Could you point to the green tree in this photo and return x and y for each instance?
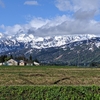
(11, 56)
(3, 58)
(93, 64)
(30, 58)
(36, 60)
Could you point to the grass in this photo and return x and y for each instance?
(49, 93)
(49, 83)
(48, 75)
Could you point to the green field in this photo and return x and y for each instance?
(49, 93)
(49, 83)
(48, 75)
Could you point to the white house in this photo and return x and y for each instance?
(36, 63)
(11, 62)
(21, 63)
(1, 64)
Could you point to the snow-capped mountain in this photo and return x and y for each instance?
(22, 40)
(39, 42)
(52, 49)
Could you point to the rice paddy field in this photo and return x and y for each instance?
(49, 83)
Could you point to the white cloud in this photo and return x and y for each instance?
(81, 9)
(64, 5)
(81, 22)
(74, 5)
(60, 25)
(11, 30)
(84, 15)
(2, 26)
(2, 4)
(38, 22)
(68, 27)
(31, 3)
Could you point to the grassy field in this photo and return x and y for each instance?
(48, 75)
(49, 93)
(49, 83)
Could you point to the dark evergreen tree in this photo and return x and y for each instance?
(30, 58)
(11, 56)
(93, 64)
(3, 58)
(36, 60)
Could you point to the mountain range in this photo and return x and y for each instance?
(64, 49)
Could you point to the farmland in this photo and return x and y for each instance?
(49, 93)
(48, 75)
(49, 83)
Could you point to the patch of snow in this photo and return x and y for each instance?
(1, 35)
(97, 44)
(91, 49)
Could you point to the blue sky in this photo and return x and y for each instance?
(50, 17)
(18, 11)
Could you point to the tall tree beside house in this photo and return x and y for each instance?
(24, 58)
(36, 60)
(7, 58)
(11, 56)
(30, 58)
(20, 58)
(3, 58)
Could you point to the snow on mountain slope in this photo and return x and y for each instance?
(25, 40)
(52, 48)
(47, 42)
(1, 35)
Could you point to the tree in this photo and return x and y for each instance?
(8, 58)
(93, 64)
(36, 60)
(21, 57)
(11, 56)
(3, 58)
(30, 58)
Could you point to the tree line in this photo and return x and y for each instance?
(4, 58)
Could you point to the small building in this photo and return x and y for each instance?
(11, 62)
(22, 63)
(36, 63)
(1, 64)
(29, 64)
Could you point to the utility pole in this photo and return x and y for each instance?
(78, 58)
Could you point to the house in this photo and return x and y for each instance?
(22, 63)
(36, 63)
(11, 62)
(1, 64)
(29, 64)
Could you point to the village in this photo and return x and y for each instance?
(11, 62)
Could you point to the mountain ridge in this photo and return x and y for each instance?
(43, 42)
(53, 50)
